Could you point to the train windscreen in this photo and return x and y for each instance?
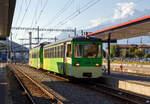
(87, 51)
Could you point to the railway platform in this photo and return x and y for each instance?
(131, 83)
(3, 85)
(131, 68)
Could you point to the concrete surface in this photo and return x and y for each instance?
(3, 85)
(136, 84)
(131, 68)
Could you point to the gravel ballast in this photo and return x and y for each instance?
(68, 92)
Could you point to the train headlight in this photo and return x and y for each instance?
(97, 65)
(77, 64)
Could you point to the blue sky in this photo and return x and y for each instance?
(49, 14)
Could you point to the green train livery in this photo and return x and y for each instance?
(78, 57)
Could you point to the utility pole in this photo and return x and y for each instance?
(43, 29)
(30, 40)
(82, 32)
(69, 36)
(55, 39)
(7, 51)
(141, 40)
(38, 35)
(108, 57)
(75, 33)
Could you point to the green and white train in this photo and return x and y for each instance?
(78, 57)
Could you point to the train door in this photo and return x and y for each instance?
(68, 58)
(37, 58)
(64, 58)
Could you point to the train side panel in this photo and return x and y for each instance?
(53, 60)
(36, 58)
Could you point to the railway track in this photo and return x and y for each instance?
(127, 97)
(35, 92)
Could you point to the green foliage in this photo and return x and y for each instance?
(2, 46)
(124, 53)
(139, 53)
(147, 56)
(114, 50)
(131, 52)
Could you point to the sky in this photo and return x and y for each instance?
(70, 14)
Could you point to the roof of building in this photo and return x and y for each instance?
(133, 45)
(6, 16)
(133, 28)
(143, 46)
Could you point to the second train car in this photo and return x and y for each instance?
(78, 57)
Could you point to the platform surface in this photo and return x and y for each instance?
(3, 85)
(130, 77)
(133, 83)
(130, 68)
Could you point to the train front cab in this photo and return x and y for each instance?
(84, 59)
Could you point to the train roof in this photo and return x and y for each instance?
(79, 38)
(86, 38)
(40, 45)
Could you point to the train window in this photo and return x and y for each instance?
(58, 51)
(68, 50)
(45, 53)
(62, 51)
(50, 52)
(99, 51)
(55, 52)
(78, 50)
(92, 51)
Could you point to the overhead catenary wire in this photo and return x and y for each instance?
(20, 9)
(26, 10)
(35, 13)
(41, 11)
(76, 13)
(18, 17)
(60, 12)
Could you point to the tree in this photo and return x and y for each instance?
(147, 56)
(2, 46)
(124, 53)
(139, 53)
(131, 52)
(114, 50)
